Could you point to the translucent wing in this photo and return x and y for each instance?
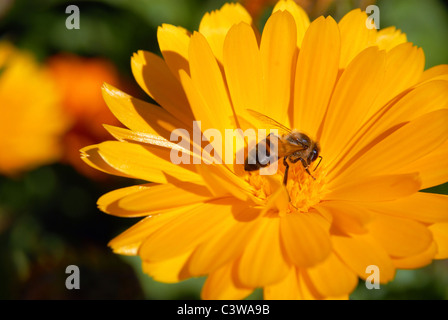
(268, 122)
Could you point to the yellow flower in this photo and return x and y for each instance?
(381, 122)
(31, 120)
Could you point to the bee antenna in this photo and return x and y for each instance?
(320, 157)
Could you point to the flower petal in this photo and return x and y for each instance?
(140, 163)
(173, 42)
(332, 278)
(190, 229)
(108, 202)
(355, 37)
(129, 242)
(159, 197)
(220, 285)
(225, 245)
(389, 38)
(286, 289)
(138, 115)
(278, 58)
(154, 76)
(358, 86)
(440, 234)
(404, 66)
(222, 181)
(416, 261)
(242, 67)
(305, 242)
(316, 73)
(215, 111)
(423, 99)
(376, 188)
(433, 168)
(300, 17)
(347, 217)
(360, 251)
(434, 72)
(91, 156)
(405, 145)
(169, 270)
(400, 237)
(214, 25)
(262, 262)
(421, 206)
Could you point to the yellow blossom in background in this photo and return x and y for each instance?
(31, 121)
(363, 94)
(78, 81)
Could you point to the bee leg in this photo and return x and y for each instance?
(305, 165)
(285, 176)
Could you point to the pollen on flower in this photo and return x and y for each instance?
(303, 190)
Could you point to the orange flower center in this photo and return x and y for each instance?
(304, 191)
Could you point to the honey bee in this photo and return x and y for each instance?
(293, 146)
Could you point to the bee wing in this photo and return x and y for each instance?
(268, 122)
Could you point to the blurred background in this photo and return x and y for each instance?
(51, 106)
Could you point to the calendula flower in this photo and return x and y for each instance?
(381, 122)
(78, 81)
(31, 121)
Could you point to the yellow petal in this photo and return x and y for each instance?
(242, 67)
(433, 168)
(404, 66)
(332, 278)
(91, 156)
(215, 111)
(306, 243)
(214, 25)
(421, 206)
(126, 135)
(225, 245)
(222, 181)
(278, 59)
(425, 98)
(413, 141)
(220, 285)
(377, 188)
(316, 73)
(286, 289)
(358, 86)
(347, 217)
(262, 262)
(173, 42)
(300, 17)
(138, 115)
(389, 38)
(434, 72)
(159, 197)
(154, 76)
(355, 37)
(400, 237)
(440, 234)
(109, 202)
(147, 163)
(306, 287)
(129, 242)
(360, 251)
(188, 230)
(416, 261)
(169, 270)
